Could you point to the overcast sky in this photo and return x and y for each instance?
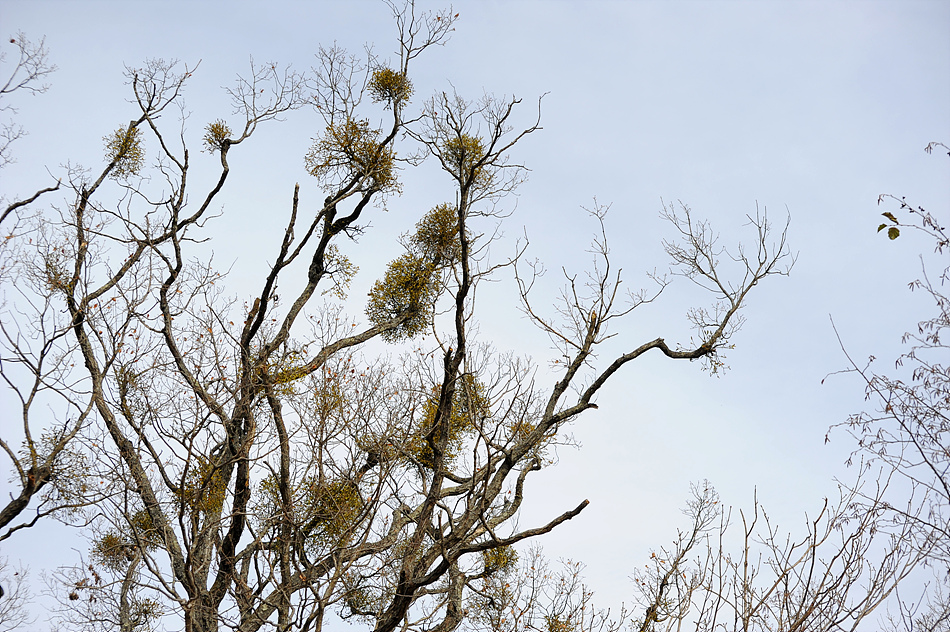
(807, 109)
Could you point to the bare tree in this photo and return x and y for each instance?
(531, 595)
(15, 596)
(907, 429)
(104, 592)
(48, 403)
(832, 577)
(263, 469)
(31, 69)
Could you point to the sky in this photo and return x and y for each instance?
(810, 110)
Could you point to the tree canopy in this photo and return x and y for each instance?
(269, 461)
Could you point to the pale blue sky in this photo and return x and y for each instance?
(811, 109)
